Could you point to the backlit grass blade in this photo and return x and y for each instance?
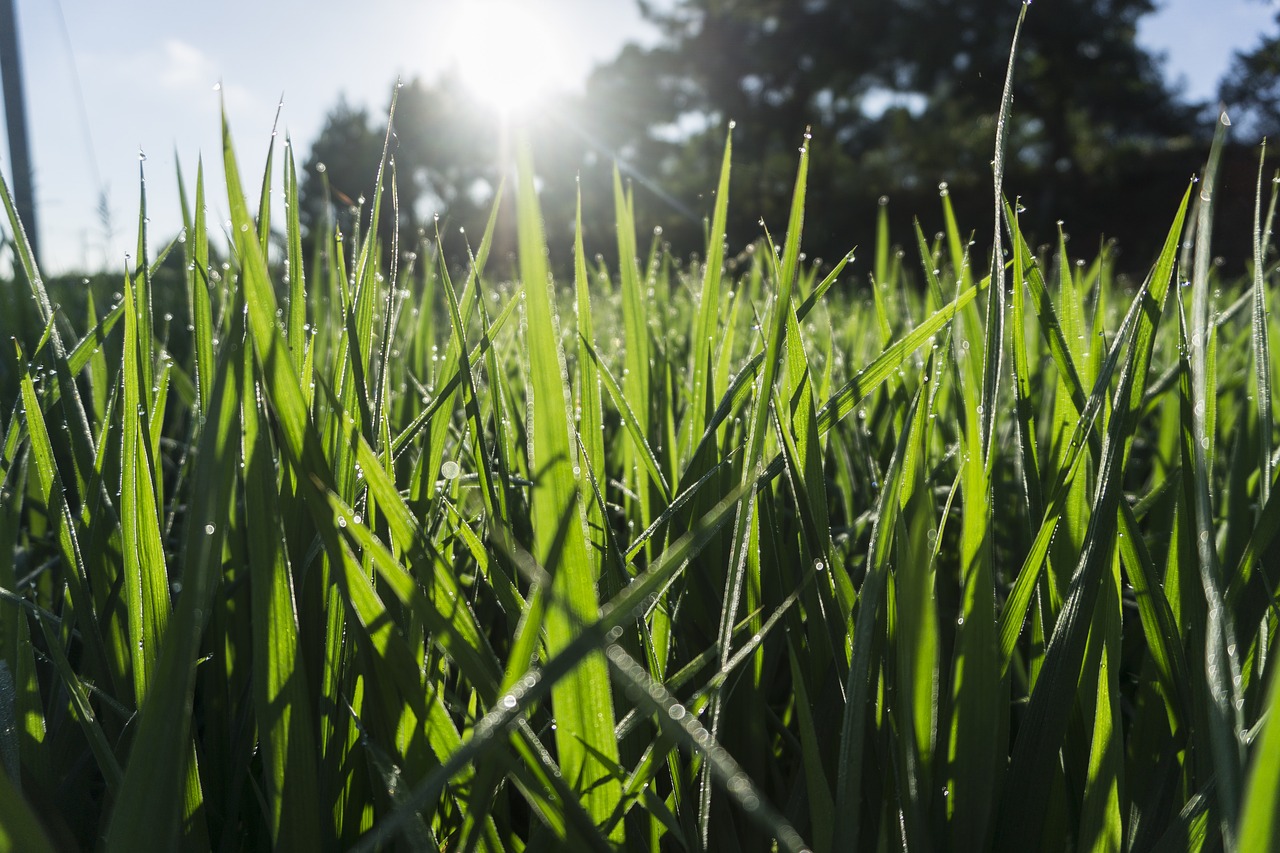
(1158, 624)
(398, 676)
(17, 736)
(916, 634)
(146, 585)
(1259, 827)
(1051, 328)
(297, 325)
(20, 829)
(978, 694)
(158, 787)
(283, 703)
(140, 281)
(83, 710)
(52, 494)
(703, 335)
(1145, 323)
(868, 632)
(76, 419)
(1100, 825)
(856, 390)
(994, 351)
(1022, 383)
(447, 387)
(1026, 787)
(446, 392)
(746, 517)
(590, 408)
(471, 404)
(536, 685)
(738, 391)
(398, 665)
(445, 612)
(643, 452)
(1222, 663)
(677, 719)
(582, 702)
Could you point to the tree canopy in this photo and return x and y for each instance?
(1252, 85)
(444, 155)
(899, 97)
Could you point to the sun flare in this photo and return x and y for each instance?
(506, 54)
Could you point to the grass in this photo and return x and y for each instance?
(748, 554)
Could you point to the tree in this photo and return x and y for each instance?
(441, 152)
(341, 167)
(1251, 89)
(900, 97)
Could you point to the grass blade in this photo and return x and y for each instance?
(582, 702)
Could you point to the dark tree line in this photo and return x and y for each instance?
(901, 97)
(1252, 85)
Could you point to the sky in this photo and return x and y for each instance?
(106, 81)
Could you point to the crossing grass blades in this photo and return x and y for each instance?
(752, 553)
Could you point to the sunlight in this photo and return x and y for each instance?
(506, 54)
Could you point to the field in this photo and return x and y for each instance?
(374, 549)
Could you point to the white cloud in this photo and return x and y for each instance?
(183, 66)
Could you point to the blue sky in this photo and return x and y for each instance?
(108, 79)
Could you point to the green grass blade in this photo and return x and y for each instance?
(283, 703)
(868, 628)
(703, 334)
(20, 829)
(1222, 663)
(622, 609)
(1022, 383)
(582, 702)
(159, 788)
(83, 710)
(850, 395)
(146, 586)
(1259, 827)
(640, 445)
(198, 285)
(52, 494)
(73, 406)
(746, 517)
(590, 408)
(1026, 794)
(297, 325)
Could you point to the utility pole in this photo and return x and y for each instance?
(15, 112)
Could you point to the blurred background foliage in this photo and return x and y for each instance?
(901, 100)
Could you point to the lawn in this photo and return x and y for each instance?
(965, 545)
